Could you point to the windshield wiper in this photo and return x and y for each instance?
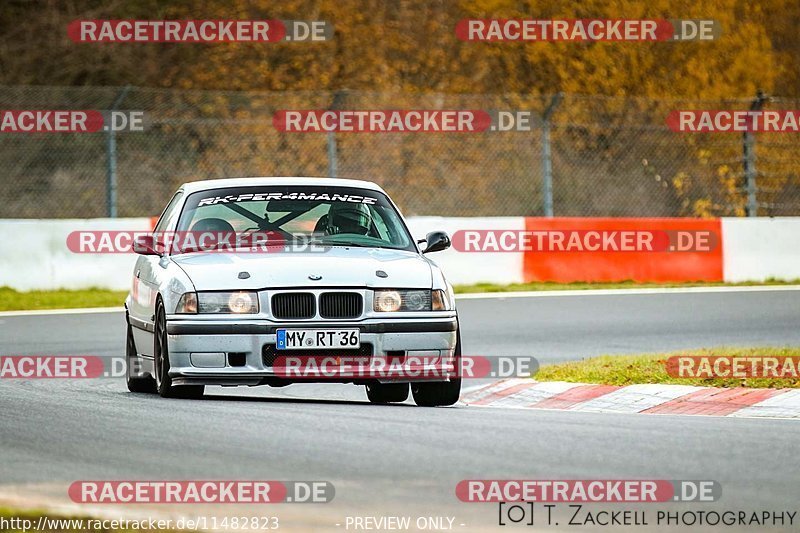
(230, 247)
(346, 244)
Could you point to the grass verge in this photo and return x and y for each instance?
(552, 286)
(651, 368)
(13, 300)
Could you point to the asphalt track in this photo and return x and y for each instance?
(404, 460)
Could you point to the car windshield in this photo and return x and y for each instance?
(331, 216)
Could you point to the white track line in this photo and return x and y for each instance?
(622, 413)
(615, 292)
(85, 311)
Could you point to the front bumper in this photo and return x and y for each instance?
(225, 352)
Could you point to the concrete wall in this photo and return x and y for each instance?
(761, 248)
(36, 255)
(462, 268)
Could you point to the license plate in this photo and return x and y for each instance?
(309, 339)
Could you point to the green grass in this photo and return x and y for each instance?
(7, 514)
(651, 368)
(13, 300)
(579, 286)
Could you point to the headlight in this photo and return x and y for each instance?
(387, 301)
(243, 302)
(239, 302)
(440, 301)
(187, 304)
(417, 300)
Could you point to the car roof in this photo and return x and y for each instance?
(205, 185)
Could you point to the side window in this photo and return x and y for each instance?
(170, 213)
(380, 224)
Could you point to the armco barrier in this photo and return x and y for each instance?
(36, 255)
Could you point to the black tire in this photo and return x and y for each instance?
(146, 384)
(441, 393)
(164, 385)
(387, 392)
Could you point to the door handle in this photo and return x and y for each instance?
(137, 273)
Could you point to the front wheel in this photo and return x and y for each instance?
(437, 394)
(440, 393)
(135, 382)
(387, 392)
(164, 384)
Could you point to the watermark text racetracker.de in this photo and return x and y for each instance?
(402, 120)
(587, 30)
(403, 368)
(200, 491)
(70, 121)
(60, 367)
(199, 31)
(599, 240)
(177, 242)
(734, 367)
(734, 121)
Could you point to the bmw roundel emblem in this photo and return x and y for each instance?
(315, 277)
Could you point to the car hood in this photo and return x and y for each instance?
(337, 266)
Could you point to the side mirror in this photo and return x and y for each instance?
(436, 241)
(145, 245)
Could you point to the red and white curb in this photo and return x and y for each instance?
(647, 399)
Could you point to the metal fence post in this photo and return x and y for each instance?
(749, 153)
(111, 173)
(333, 154)
(547, 162)
(111, 157)
(332, 163)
